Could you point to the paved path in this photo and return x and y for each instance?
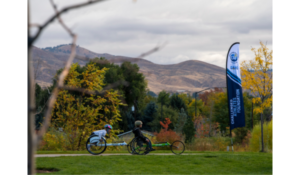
(124, 154)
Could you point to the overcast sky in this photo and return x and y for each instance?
(193, 29)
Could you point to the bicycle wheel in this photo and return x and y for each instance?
(177, 147)
(129, 147)
(138, 147)
(94, 148)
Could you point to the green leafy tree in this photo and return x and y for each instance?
(134, 94)
(201, 109)
(187, 98)
(136, 91)
(167, 113)
(163, 98)
(220, 111)
(130, 120)
(177, 103)
(163, 110)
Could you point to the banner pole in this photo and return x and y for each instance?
(228, 93)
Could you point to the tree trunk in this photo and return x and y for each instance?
(161, 117)
(80, 138)
(31, 147)
(211, 106)
(252, 115)
(135, 109)
(262, 133)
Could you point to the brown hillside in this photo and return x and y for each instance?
(189, 75)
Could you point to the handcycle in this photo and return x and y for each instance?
(96, 146)
(138, 147)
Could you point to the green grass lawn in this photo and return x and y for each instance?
(206, 163)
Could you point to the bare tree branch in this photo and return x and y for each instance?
(155, 49)
(48, 90)
(54, 94)
(41, 109)
(61, 77)
(35, 25)
(123, 59)
(34, 139)
(31, 40)
(36, 68)
(45, 103)
(60, 20)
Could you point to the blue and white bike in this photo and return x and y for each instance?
(96, 146)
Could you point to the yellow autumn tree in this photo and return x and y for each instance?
(257, 78)
(197, 110)
(80, 114)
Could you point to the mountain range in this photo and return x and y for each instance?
(191, 75)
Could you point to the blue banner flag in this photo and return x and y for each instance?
(234, 88)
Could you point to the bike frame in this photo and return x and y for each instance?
(156, 145)
(112, 144)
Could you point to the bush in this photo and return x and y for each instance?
(209, 144)
(54, 140)
(240, 134)
(166, 136)
(255, 140)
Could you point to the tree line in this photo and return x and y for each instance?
(201, 116)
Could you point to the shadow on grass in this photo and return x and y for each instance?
(210, 156)
(46, 170)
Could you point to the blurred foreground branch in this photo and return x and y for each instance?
(64, 73)
(31, 40)
(155, 49)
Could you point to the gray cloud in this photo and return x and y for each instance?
(195, 29)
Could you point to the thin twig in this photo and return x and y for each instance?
(45, 103)
(60, 20)
(155, 49)
(48, 90)
(36, 68)
(42, 108)
(31, 40)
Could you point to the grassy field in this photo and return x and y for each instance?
(206, 163)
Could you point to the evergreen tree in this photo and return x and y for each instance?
(130, 120)
(41, 99)
(180, 121)
(189, 130)
(149, 113)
